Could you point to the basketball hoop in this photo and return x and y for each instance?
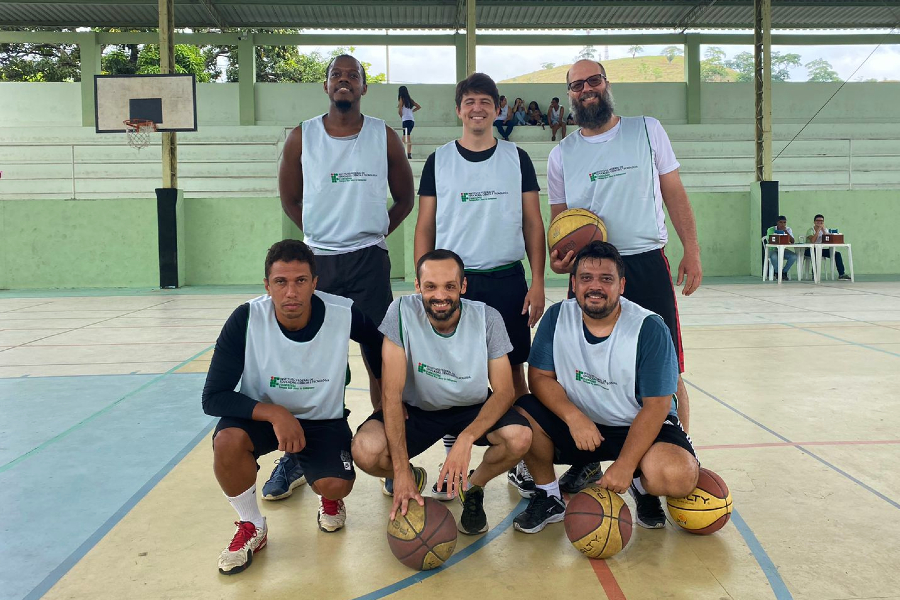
(138, 132)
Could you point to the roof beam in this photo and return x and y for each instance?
(214, 14)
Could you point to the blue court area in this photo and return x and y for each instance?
(75, 451)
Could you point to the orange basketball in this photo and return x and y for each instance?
(423, 538)
(706, 509)
(573, 229)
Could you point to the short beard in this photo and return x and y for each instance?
(597, 313)
(343, 105)
(446, 316)
(595, 115)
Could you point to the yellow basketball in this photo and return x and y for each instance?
(423, 538)
(706, 509)
(573, 229)
(598, 522)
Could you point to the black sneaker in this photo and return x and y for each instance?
(650, 513)
(440, 491)
(521, 479)
(785, 276)
(844, 277)
(472, 521)
(579, 477)
(542, 510)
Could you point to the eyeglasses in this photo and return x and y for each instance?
(593, 80)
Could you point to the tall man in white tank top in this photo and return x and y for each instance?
(479, 197)
(336, 193)
(276, 381)
(624, 170)
(441, 353)
(603, 373)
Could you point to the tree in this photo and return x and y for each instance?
(588, 52)
(712, 67)
(548, 65)
(670, 52)
(744, 64)
(820, 70)
(39, 62)
(286, 64)
(188, 59)
(636, 49)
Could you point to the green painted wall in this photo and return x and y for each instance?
(227, 238)
(54, 243)
(287, 104)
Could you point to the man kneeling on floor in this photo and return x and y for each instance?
(288, 349)
(440, 354)
(603, 374)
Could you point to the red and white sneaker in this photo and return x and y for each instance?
(247, 540)
(332, 514)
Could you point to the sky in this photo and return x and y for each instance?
(437, 64)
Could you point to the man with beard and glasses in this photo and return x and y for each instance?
(336, 193)
(603, 373)
(624, 170)
(441, 353)
(480, 198)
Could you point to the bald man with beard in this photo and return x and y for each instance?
(624, 170)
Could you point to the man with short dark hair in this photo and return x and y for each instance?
(288, 352)
(336, 194)
(814, 236)
(624, 170)
(789, 255)
(441, 355)
(479, 197)
(603, 375)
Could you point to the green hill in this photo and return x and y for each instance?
(641, 68)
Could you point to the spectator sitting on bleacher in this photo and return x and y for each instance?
(814, 236)
(535, 117)
(519, 112)
(790, 257)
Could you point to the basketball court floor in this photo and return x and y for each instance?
(107, 490)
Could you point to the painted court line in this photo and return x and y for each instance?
(796, 444)
(607, 580)
(456, 558)
(759, 553)
(90, 418)
(834, 468)
(56, 574)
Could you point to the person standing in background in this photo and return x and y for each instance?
(406, 106)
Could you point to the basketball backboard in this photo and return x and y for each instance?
(170, 101)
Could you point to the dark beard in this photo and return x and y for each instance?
(597, 313)
(454, 306)
(343, 105)
(594, 115)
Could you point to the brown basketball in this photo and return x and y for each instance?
(425, 537)
(598, 522)
(573, 229)
(706, 509)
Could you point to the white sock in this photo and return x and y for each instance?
(636, 482)
(449, 440)
(246, 506)
(552, 489)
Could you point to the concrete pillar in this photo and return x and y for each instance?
(90, 49)
(692, 77)
(167, 65)
(247, 79)
(470, 37)
(460, 42)
(762, 55)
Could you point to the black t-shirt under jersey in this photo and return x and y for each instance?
(219, 396)
(428, 187)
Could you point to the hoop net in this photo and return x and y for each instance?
(138, 132)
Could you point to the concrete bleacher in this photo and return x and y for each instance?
(233, 161)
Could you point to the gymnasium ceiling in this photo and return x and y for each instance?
(665, 15)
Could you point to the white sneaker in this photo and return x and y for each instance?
(332, 514)
(246, 542)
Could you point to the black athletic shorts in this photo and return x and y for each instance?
(648, 283)
(327, 450)
(425, 427)
(567, 453)
(505, 290)
(408, 126)
(363, 275)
